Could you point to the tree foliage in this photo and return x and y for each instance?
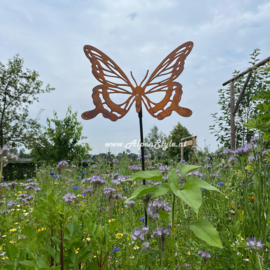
(179, 132)
(262, 121)
(155, 138)
(247, 108)
(18, 89)
(61, 142)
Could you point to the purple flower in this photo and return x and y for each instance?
(155, 206)
(232, 159)
(130, 203)
(162, 232)
(96, 180)
(204, 254)
(253, 243)
(135, 168)
(141, 219)
(69, 197)
(3, 184)
(109, 192)
(139, 233)
(146, 245)
(251, 159)
(254, 139)
(12, 184)
(11, 204)
(62, 164)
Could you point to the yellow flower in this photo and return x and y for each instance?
(252, 198)
(19, 192)
(122, 209)
(56, 183)
(111, 220)
(79, 195)
(0, 248)
(13, 242)
(77, 250)
(88, 239)
(189, 253)
(119, 235)
(12, 230)
(4, 235)
(4, 258)
(136, 247)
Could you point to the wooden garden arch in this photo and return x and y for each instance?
(235, 107)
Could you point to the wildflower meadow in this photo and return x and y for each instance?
(212, 214)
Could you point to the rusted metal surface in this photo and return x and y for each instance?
(106, 71)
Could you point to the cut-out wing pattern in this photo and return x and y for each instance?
(106, 71)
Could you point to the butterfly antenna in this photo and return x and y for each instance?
(144, 77)
(133, 78)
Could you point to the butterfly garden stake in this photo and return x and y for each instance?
(113, 81)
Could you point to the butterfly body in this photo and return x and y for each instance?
(107, 72)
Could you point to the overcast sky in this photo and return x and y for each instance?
(137, 35)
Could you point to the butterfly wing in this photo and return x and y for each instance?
(113, 81)
(162, 80)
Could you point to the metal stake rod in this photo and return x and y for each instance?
(142, 152)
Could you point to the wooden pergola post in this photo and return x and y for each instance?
(188, 143)
(232, 115)
(233, 107)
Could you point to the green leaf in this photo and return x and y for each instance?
(42, 262)
(83, 253)
(113, 225)
(12, 251)
(204, 230)
(92, 266)
(185, 169)
(147, 175)
(38, 215)
(71, 227)
(28, 231)
(51, 251)
(164, 215)
(173, 177)
(201, 183)
(39, 237)
(140, 191)
(191, 195)
(27, 263)
(161, 190)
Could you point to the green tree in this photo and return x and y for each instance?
(61, 141)
(262, 121)
(18, 89)
(155, 138)
(247, 108)
(175, 136)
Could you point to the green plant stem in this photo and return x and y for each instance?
(173, 261)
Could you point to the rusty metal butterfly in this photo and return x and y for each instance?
(107, 72)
